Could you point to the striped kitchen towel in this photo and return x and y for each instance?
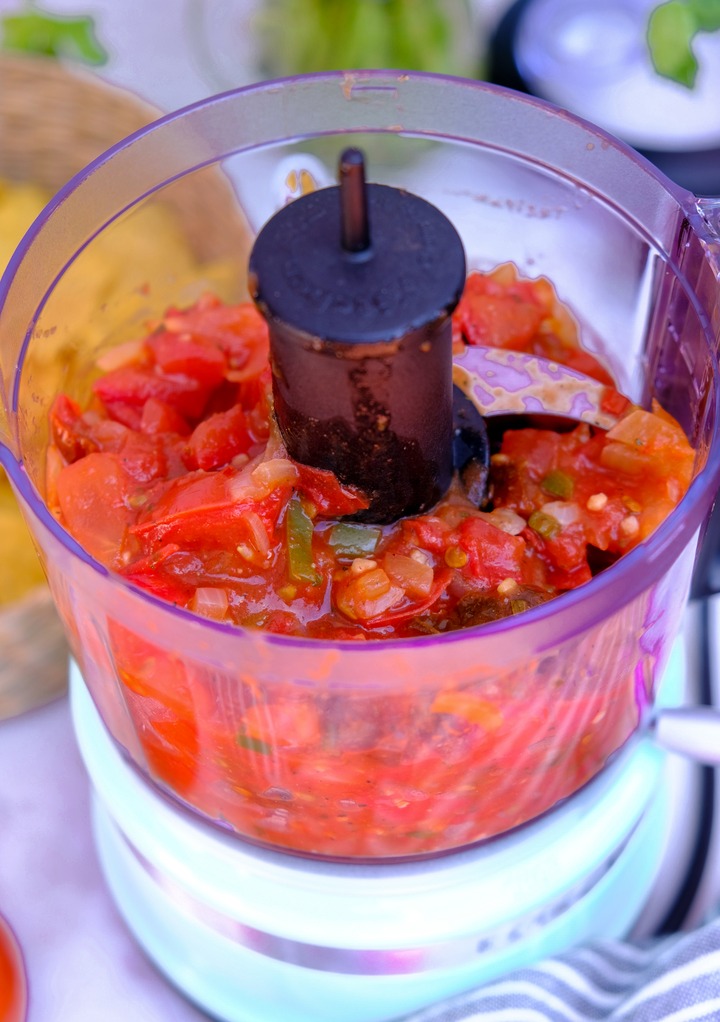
(670, 979)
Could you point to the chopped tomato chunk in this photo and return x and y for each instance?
(186, 355)
(133, 386)
(501, 310)
(325, 491)
(94, 495)
(218, 439)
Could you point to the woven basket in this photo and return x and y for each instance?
(53, 122)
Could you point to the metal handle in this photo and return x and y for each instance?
(692, 731)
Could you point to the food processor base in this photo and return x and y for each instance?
(252, 935)
(237, 984)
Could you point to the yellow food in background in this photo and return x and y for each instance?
(107, 284)
(21, 571)
(19, 205)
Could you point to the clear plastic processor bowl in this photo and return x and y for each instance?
(359, 758)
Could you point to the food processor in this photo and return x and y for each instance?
(391, 861)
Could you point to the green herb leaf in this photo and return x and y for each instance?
(558, 484)
(671, 28)
(321, 35)
(36, 31)
(253, 744)
(706, 14)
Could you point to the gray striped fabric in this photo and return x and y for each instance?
(674, 979)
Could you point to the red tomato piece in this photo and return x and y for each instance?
(565, 555)
(124, 414)
(199, 510)
(493, 555)
(218, 439)
(134, 385)
(496, 316)
(93, 495)
(613, 402)
(238, 330)
(69, 430)
(172, 748)
(143, 457)
(431, 532)
(108, 434)
(500, 321)
(158, 417)
(186, 355)
(148, 573)
(255, 396)
(330, 497)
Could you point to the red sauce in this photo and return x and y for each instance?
(174, 477)
(13, 987)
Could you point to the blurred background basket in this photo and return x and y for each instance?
(54, 120)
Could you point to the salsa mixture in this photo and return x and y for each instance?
(13, 982)
(174, 477)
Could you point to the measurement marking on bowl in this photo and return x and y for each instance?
(519, 206)
(351, 87)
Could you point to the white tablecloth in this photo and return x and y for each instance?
(82, 962)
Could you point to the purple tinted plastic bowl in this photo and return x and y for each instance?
(562, 687)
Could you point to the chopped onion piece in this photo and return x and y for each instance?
(506, 519)
(415, 577)
(210, 601)
(563, 511)
(260, 476)
(128, 353)
(367, 595)
(242, 486)
(258, 535)
(274, 472)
